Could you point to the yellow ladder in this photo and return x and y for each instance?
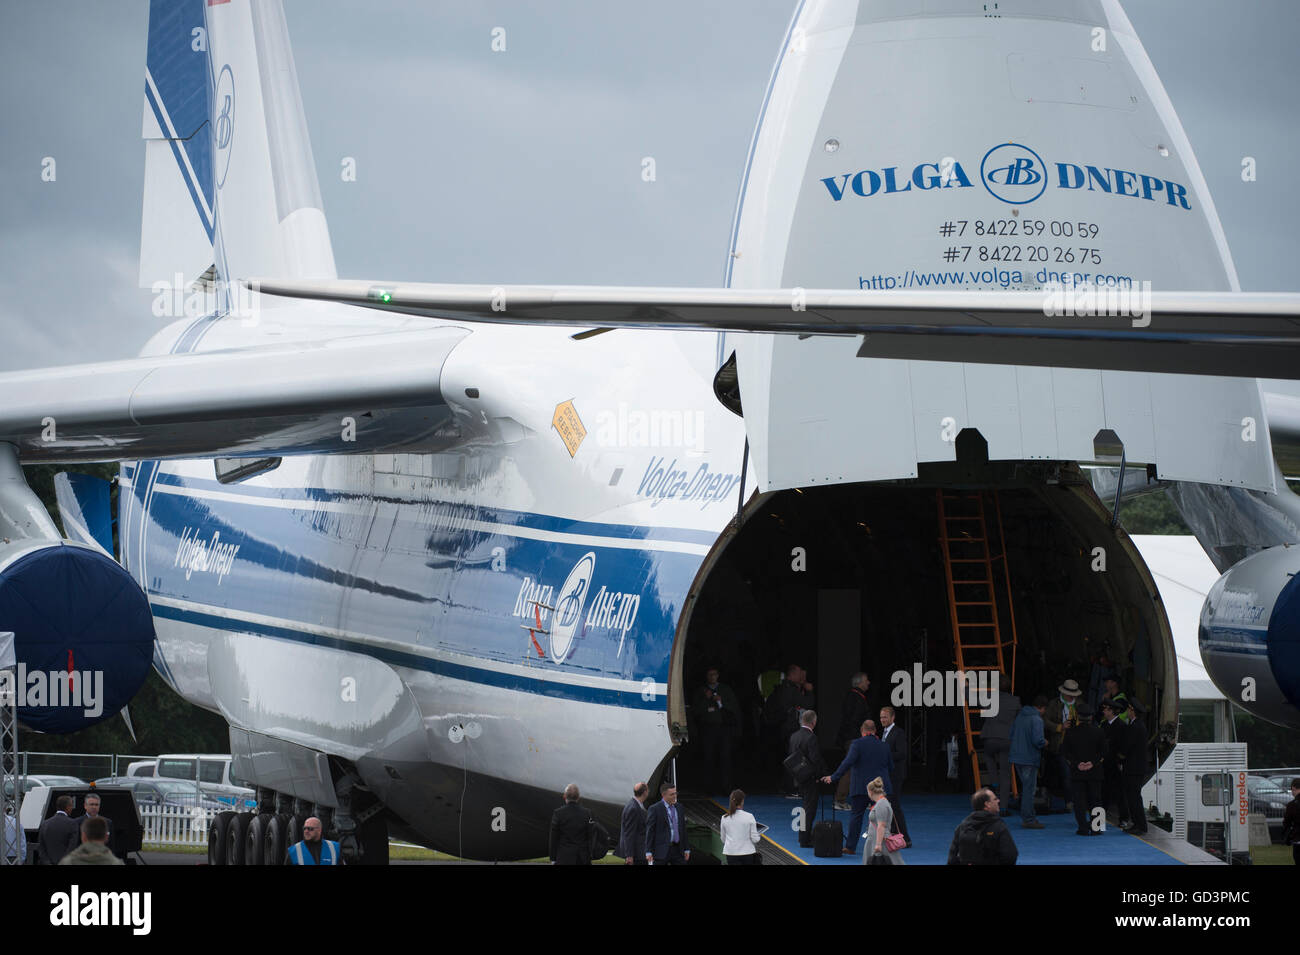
(972, 571)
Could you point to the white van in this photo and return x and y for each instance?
(210, 772)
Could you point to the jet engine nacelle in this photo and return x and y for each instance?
(1250, 635)
(83, 631)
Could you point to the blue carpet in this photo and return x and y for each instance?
(932, 819)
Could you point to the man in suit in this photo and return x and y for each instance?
(571, 830)
(1133, 772)
(1085, 749)
(91, 805)
(803, 741)
(1112, 785)
(59, 834)
(717, 717)
(855, 708)
(866, 759)
(631, 840)
(791, 698)
(666, 842)
(892, 735)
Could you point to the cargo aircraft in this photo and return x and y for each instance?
(434, 551)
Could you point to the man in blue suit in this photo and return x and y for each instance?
(666, 842)
(867, 758)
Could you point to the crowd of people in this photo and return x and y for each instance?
(1098, 760)
(67, 840)
(64, 839)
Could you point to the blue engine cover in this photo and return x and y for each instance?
(1284, 641)
(1250, 634)
(71, 607)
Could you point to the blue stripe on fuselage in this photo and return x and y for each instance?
(529, 519)
(410, 572)
(415, 661)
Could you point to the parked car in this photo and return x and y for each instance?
(212, 774)
(31, 782)
(48, 780)
(162, 792)
(142, 767)
(28, 785)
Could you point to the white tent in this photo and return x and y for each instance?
(1184, 576)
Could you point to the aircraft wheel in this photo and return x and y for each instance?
(255, 839)
(218, 836)
(274, 844)
(237, 837)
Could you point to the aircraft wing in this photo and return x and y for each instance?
(272, 400)
(1284, 429)
(1204, 333)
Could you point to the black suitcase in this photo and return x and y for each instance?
(828, 836)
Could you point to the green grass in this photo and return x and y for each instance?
(1271, 855)
(179, 850)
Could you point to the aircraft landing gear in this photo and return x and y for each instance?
(255, 840)
(237, 838)
(218, 838)
(274, 843)
(362, 829)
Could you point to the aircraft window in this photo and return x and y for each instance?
(234, 470)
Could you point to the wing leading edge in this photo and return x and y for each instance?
(1204, 333)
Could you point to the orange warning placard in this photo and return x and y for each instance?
(566, 421)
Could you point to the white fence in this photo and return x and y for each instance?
(176, 825)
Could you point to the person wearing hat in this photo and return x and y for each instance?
(1113, 692)
(1061, 714)
(1116, 731)
(1134, 771)
(1084, 749)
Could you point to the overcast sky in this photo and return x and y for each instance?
(524, 166)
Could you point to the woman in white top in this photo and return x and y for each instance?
(739, 833)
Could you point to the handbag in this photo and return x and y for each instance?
(799, 767)
(879, 858)
(895, 840)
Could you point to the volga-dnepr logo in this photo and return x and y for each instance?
(223, 122)
(1013, 173)
(568, 606)
(1010, 172)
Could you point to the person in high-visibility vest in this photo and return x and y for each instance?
(313, 850)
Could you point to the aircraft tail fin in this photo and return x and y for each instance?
(230, 180)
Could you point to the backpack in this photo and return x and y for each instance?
(599, 838)
(977, 843)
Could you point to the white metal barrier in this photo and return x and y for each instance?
(176, 825)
